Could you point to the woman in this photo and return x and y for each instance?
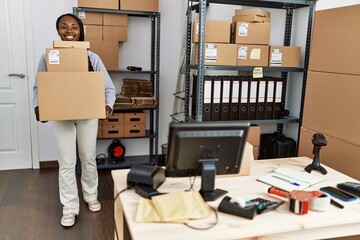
(82, 133)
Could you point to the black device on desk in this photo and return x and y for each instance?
(350, 187)
(206, 149)
(338, 194)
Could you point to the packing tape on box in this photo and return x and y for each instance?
(320, 203)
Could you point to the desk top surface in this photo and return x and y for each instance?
(276, 224)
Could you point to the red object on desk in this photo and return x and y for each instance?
(299, 200)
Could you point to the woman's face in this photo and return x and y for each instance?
(69, 29)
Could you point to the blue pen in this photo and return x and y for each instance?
(286, 180)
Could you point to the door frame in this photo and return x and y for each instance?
(34, 136)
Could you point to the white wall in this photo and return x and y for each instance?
(136, 52)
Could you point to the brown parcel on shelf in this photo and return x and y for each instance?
(67, 60)
(216, 31)
(140, 5)
(252, 11)
(113, 19)
(218, 54)
(93, 32)
(71, 95)
(283, 56)
(253, 55)
(108, 51)
(114, 33)
(108, 4)
(92, 18)
(250, 33)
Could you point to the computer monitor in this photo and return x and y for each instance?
(206, 149)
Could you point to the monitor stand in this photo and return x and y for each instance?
(208, 173)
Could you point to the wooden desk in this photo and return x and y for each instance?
(277, 224)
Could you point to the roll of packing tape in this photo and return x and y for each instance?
(320, 203)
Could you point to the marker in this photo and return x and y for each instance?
(335, 203)
(286, 180)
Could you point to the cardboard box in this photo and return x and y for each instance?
(92, 18)
(113, 33)
(93, 32)
(134, 118)
(134, 130)
(283, 56)
(331, 105)
(216, 31)
(250, 18)
(111, 19)
(114, 119)
(108, 51)
(335, 45)
(254, 135)
(67, 60)
(250, 33)
(99, 132)
(252, 11)
(70, 44)
(113, 131)
(71, 95)
(108, 4)
(337, 154)
(218, 54)
(253, 55)
(140, 5)
(256, 153)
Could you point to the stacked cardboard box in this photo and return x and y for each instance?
(332, 92)
(250, 30)
(132, 5)
(105, 31)
(218, 50)
(124, 124)
(68, 91)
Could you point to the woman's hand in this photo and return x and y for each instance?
(107, 111)
(38, 115)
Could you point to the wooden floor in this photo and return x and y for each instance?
(30, 208)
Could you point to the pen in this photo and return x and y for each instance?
(335, 203)
(286, 180)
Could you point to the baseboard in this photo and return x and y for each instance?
(49, 164)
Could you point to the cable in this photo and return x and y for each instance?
(211, 224)
(127, 188)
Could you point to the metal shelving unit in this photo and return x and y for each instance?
(154, 72)
(200, 6)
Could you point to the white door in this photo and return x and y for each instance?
(15, 144)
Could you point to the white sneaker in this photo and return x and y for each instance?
(68, 220)
(94, 206)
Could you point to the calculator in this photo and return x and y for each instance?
(350, 187)
(264, 205)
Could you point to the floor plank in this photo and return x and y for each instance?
(30, 207)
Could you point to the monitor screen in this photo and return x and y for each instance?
(206, 149)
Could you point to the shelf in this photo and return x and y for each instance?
(148, 134)
(127, 163)
(265, 3)
(240, 68)
(129, 13)
(125, 71)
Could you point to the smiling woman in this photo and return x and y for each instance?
(73, 135)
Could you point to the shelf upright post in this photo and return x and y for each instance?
(287, 42)
(306, 66)
(187, 61)
(201, 57)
